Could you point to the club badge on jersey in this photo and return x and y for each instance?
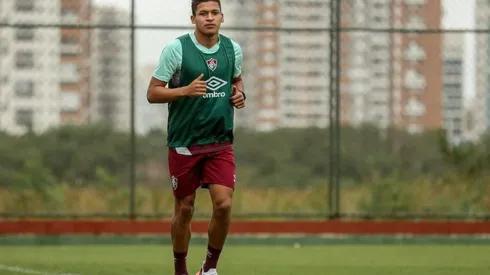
(212, 64)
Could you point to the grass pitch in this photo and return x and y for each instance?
(247, 260)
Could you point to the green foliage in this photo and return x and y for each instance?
(388, 196)
(96, 156)
(34, 177)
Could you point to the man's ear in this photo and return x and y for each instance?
(193, 19)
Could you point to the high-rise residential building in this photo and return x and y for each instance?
(303, 64)
(266, 61)
(75, 62)
(29, 66)
(387, 78)
(453, 100)
(392, 78)
(286, 72)
(51, 76)
(242, 13)
(110, 77)
(481, 105)
(360, 62)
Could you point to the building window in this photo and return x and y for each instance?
(415, 128)
(24, 60)
(414, 108)
(69, 73)
(24, 5)
(419, 3)
(24, 34)
(69, 46)
(24, 88)
(69, 15)
(453, 67)
(70, 101)
(24, 117)
(414, 80)
(414, 52)
(415, 22)
(67, 40)
(3, 48)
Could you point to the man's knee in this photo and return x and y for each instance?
(184, 208)
(222, 206)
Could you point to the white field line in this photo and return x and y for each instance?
(23, 270)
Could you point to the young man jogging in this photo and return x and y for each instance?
(203, 72)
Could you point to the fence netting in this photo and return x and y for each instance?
(354, 107)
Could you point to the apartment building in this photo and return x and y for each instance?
(386, 78)
(365, 67)
(392, 78)
(286, 72)
(52, 76)
(481, 101)
(110, 71)
(29, 90)
(74, 62)
(421, 66)
(453, 100)
(303, 60)
(242, 13)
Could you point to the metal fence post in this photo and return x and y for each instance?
(334, 111)
(338, 12)
(132, 180)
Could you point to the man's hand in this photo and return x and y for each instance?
(237, 98)
(196, 88)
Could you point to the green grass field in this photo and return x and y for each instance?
(247, 260)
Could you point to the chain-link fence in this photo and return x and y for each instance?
(354, 108)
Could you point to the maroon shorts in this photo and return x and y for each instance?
(190, 172)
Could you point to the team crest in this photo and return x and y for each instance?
(175, 183)
(212, 64)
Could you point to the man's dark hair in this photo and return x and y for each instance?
(195, 3)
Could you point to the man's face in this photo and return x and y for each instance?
(208, 18)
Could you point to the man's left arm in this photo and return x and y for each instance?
(238, 93)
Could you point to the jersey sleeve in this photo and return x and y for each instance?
(170, 61)
(238, 59)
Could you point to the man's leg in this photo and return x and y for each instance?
(219, 225)
(181, 232)
(186, 173)
(219, 171)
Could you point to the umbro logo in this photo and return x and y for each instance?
(214, 83)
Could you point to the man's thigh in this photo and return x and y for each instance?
(219, 168)
(185, 173)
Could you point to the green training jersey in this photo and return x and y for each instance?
(200, 120)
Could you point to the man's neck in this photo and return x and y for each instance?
(206, 41)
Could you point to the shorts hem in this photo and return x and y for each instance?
(206, 185)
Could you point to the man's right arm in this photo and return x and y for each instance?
(169, 63)
(159, 93)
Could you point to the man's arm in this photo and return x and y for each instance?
(238, 95)
(238, 83)
(169, 64)
(159, 93)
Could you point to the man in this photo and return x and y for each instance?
(203, 73)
